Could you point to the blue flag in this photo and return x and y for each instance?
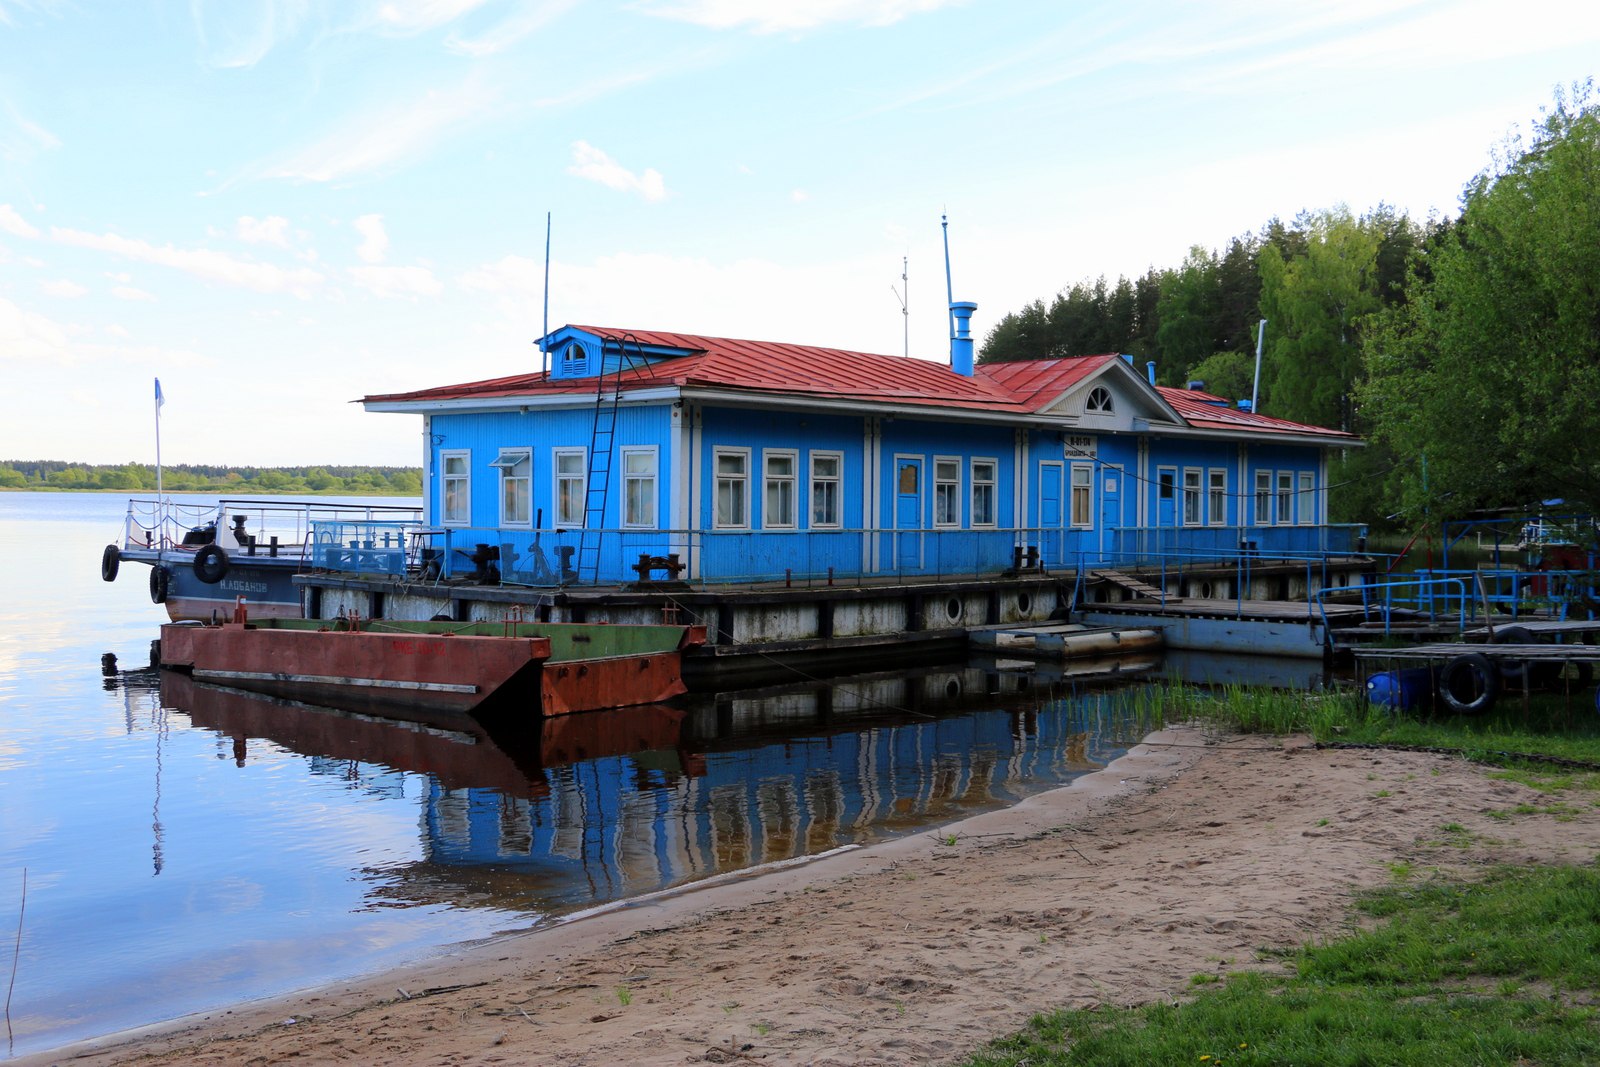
(159, 398)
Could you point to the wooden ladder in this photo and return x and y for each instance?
(1134, 585)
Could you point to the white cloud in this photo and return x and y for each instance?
(22, 139)
(118, 330)
(15, 224)
(201, 262)
(26, 336)
(591, 164)
(528, 19)
(777, 16)
(383, 141)
(236, 35)
(374, 240)
(415, 16)
(272, 230)
(397, 282)
(128, 292)
(62, 287)
(799, 196)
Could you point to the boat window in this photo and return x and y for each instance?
(946, 491)
(781, 477)
(639, 487)
(456, 488)
(1100, 400)
(516, 486)
(1285, 498)
(570, 478)
(1308, 506)
(983, 483)
(1264, 498)
(1191, 496)
(826, 473)
(1082, 495)
(1217, 491)
(732, 489)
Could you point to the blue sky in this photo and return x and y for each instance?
(279, 207)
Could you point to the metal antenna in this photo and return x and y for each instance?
(1255, 388)
(905, 300)
(949, 290)
(544, 351)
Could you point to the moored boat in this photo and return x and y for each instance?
(203, 556)
(479, 668)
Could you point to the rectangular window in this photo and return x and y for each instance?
(1191, 496)
(1263, 498)
(826, 471)
(946, 491)
(781, 477)
(1308, 506)
(1166, 482)
(1217, 497)
(732, 475)
(457, 488)
(516, 486)
(1082, 495)
(983, 483)
(639, 487)
(1285, 498)
(570, 478)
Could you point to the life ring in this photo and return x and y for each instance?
(1469, 684)
(109, 560)
(211, 564)
(160, 582)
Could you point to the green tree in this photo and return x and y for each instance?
(1314, 304)
(1188, 310)
(1491, 369)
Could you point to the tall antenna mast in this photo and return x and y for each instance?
(905, 300)
(949, 290)
(544, 350)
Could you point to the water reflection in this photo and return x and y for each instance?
(545, 817)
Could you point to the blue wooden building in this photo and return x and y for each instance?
(716, 460)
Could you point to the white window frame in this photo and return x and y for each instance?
(1306, 505)
(1191, 499)
(818, 481)
(789, 483)
(1107, 404)
(1285, 508)
(465, 478)
(1175, 488)
(1265, 505)
(1085, 471)
(506, 462)
(1217, 494)
(559, 521)
(652, 494)
(949, 489)
(716, 488)
(991, 483)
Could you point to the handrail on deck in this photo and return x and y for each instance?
(1388, 605)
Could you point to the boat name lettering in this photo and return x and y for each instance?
(417, 648)
(244, 587)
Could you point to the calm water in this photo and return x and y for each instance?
(185, 847)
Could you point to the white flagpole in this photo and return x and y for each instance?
(159, 402)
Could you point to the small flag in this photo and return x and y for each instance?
(159, 398)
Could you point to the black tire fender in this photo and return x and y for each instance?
(110, 559)
(1512, 672)
(160, 583)
(1469, 684)
(211, 564)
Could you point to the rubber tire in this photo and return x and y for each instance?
(1512, 672)
(109, 561)
(160, 584)
(211, 564)
(1474, 667)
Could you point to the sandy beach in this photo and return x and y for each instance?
(1184, 857)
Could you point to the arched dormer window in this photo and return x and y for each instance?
(1100, 402)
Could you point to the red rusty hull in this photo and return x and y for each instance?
(441, 673)
(615, 682)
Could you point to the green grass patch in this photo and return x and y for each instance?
(1500, 971)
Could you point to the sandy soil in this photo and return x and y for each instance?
(1186, 856)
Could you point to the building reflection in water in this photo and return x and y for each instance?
(552, 816)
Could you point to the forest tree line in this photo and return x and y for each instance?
(1465, 350)
(200, 478)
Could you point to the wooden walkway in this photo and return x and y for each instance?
(1134, 585)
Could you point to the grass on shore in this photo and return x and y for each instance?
(1503, 971)
(1499, 972)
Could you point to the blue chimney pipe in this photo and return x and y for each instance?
(961, 340)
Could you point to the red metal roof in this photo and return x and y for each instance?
(1204, 411)
(767, 367)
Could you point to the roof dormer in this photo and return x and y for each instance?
(586, 351)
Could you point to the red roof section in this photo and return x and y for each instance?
(767, 367)
(1207, 412)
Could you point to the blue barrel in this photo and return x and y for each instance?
(1402, 690)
